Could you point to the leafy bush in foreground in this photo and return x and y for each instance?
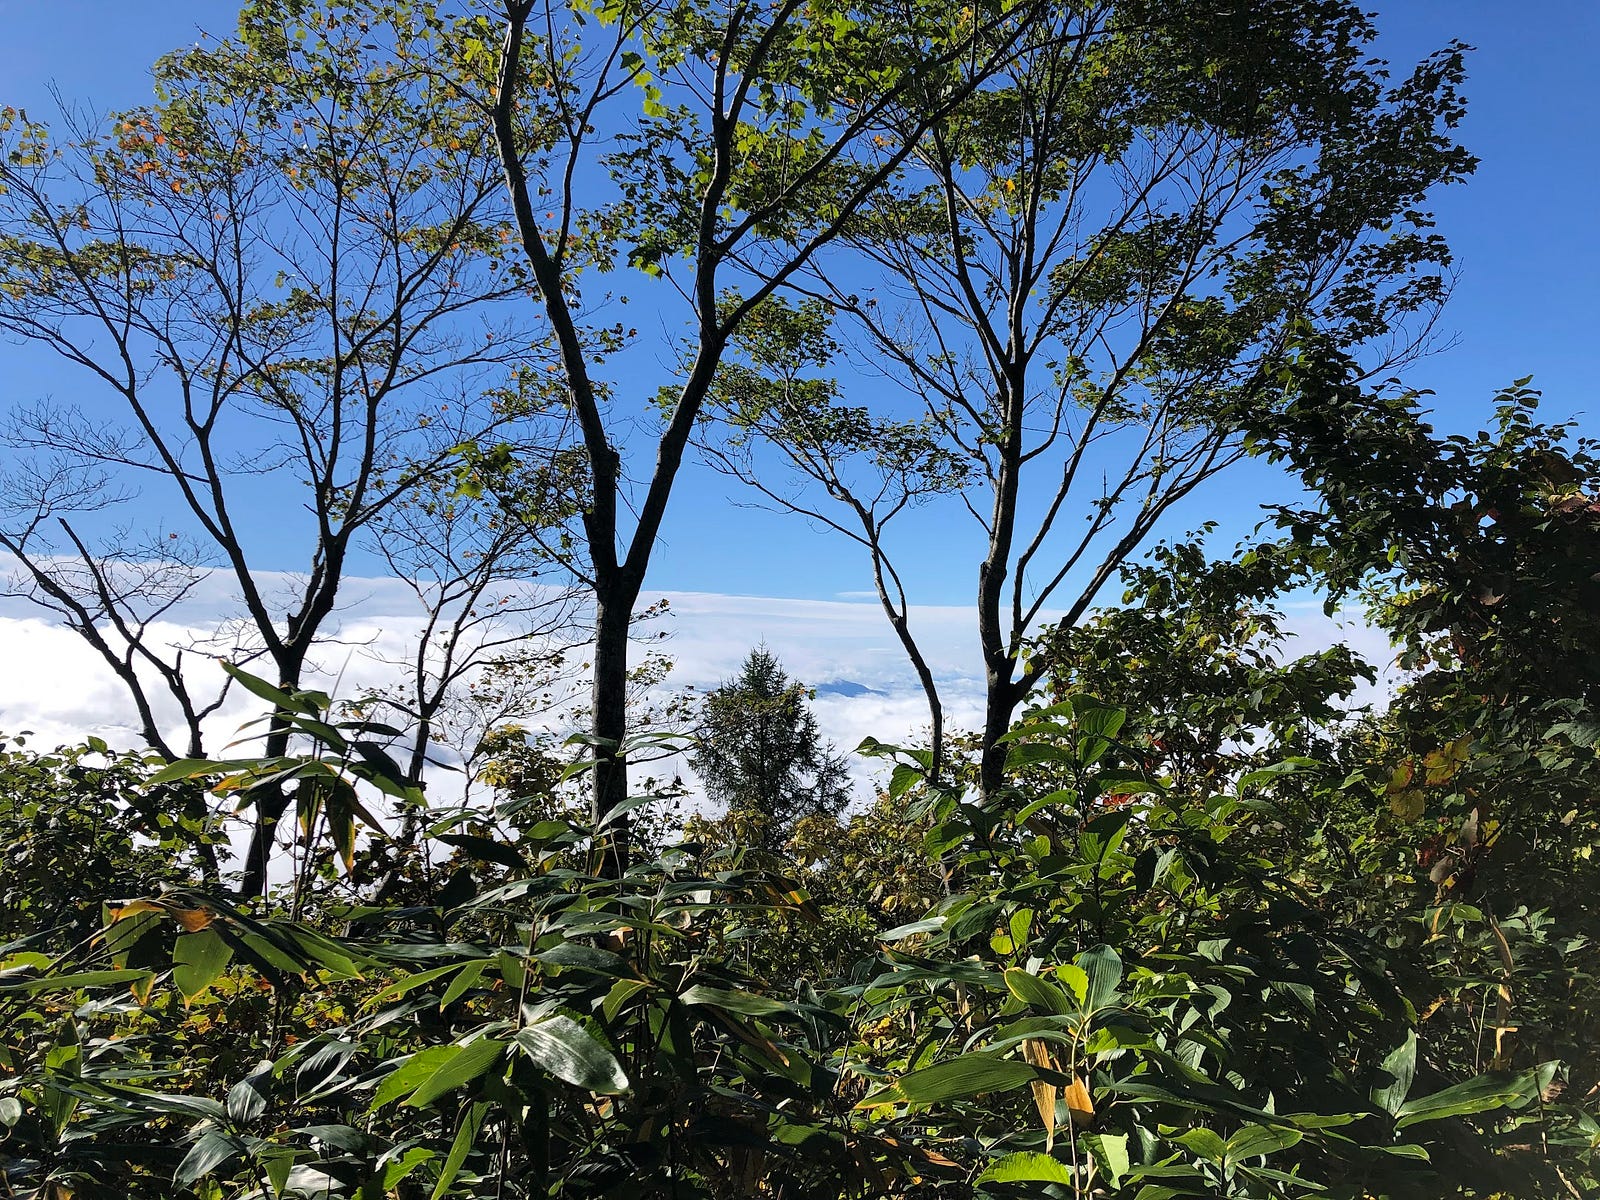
(1123, 994)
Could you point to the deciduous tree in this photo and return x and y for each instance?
(281, 284)
(1089, 276)
(719, 149)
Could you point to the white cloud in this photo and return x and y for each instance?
(1310, 629)
(58, 688)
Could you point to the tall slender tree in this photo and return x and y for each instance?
(1091, 276)
(718, 148)
(287, 272)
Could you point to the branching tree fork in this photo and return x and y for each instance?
(1088, 280)
(719, 147)
(477, 576)
(291, 267)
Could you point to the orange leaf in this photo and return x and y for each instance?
(192, 919)
(1079, 1103)
(1037, 1053)
(132, 909)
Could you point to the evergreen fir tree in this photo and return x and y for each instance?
(761, 756)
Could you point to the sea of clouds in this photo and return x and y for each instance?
(57, 689)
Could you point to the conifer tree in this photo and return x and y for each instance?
(761, 756)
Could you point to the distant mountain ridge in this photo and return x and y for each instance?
(846, 687)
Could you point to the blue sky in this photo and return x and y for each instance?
(1524, 231)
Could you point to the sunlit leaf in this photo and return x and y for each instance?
(197, 960)
(568, 1051)
(1026, 1167)
(457, 1069)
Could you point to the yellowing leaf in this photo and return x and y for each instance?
(132, 909)
(1079, 1103)
(193, 920)
(1442, 764)
(1408, 805)
(1401, 778)
(1037, 1052)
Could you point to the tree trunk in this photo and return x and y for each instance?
(614, 600)
(271, 802)
(935, 721)
(1001, 690)
(996, 634)
(1000, 704)
(930, 690)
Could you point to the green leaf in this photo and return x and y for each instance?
(585, 958)
(339, 1137)
(972, 921)
(621, 991)
(464, 1064)
(1407, 1151)
(278, 1165)
(247, 1099)
(1204, 1142)
(1112, 784)
(631, 804)
(185, 768)
(1255, 1140)
(1496, 1090)
(1027, 1167)
(1036, 992)
(379, 768)
(740, 1002)
(970, 1075)
(467, 978)
(486, 850)
(409, 1075)
(901, 932)
(398, 1169)
(1265, 775)
(205, 1156)
(904, 777)
(1102, 967)
(123, 934)
(410, 983)
(1400, 1066)
(81, 979)
(1031, 754)
(1063, 796)
(276, 697)
(325, 953)
(1076, 979)
(568, 1051)
(1096, 717)
(268, 953)
(466, 1137)
(1111, 1152)
(197, 960)
(320, 731)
